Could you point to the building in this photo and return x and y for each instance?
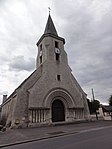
(51, 93)
(0, 112)
(105, 111)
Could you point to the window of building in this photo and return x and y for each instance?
(56, 44)
(40, 53)
(40, 59)
(57, 56)
(59, 77)
(41, 47)
(57, 51)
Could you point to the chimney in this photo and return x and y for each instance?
(4, 98)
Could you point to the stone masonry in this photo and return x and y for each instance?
(51, 93)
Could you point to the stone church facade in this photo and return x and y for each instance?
(51, 93)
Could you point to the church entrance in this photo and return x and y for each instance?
(58, 111)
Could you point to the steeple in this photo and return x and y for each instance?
(50, 31)
(50, 28)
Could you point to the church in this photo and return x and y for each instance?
(51, 94)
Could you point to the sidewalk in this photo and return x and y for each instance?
(18, 136)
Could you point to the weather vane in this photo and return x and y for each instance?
(49, 9)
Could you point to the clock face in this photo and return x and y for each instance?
(57, 50)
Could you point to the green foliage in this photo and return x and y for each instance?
(93, 105)
(110, 100)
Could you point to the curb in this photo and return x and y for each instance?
(37, 139)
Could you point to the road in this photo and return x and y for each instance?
(93, 139)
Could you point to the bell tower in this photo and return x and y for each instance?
(50, 45)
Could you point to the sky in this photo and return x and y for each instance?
(86, 26)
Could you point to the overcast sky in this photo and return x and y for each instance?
(86, 26)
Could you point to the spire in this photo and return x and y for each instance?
(50, 28)
(50, 31)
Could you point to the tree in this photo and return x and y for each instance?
(110, 100)
(96, 105)
(93, 106)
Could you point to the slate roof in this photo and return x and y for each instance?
(107, 108)
(50, 28)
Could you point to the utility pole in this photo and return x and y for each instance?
(94, 103)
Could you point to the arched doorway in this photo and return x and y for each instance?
(58, 111)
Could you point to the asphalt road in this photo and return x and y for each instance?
(97, 138)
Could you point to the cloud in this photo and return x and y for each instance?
(86, 27)
(18, 63)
